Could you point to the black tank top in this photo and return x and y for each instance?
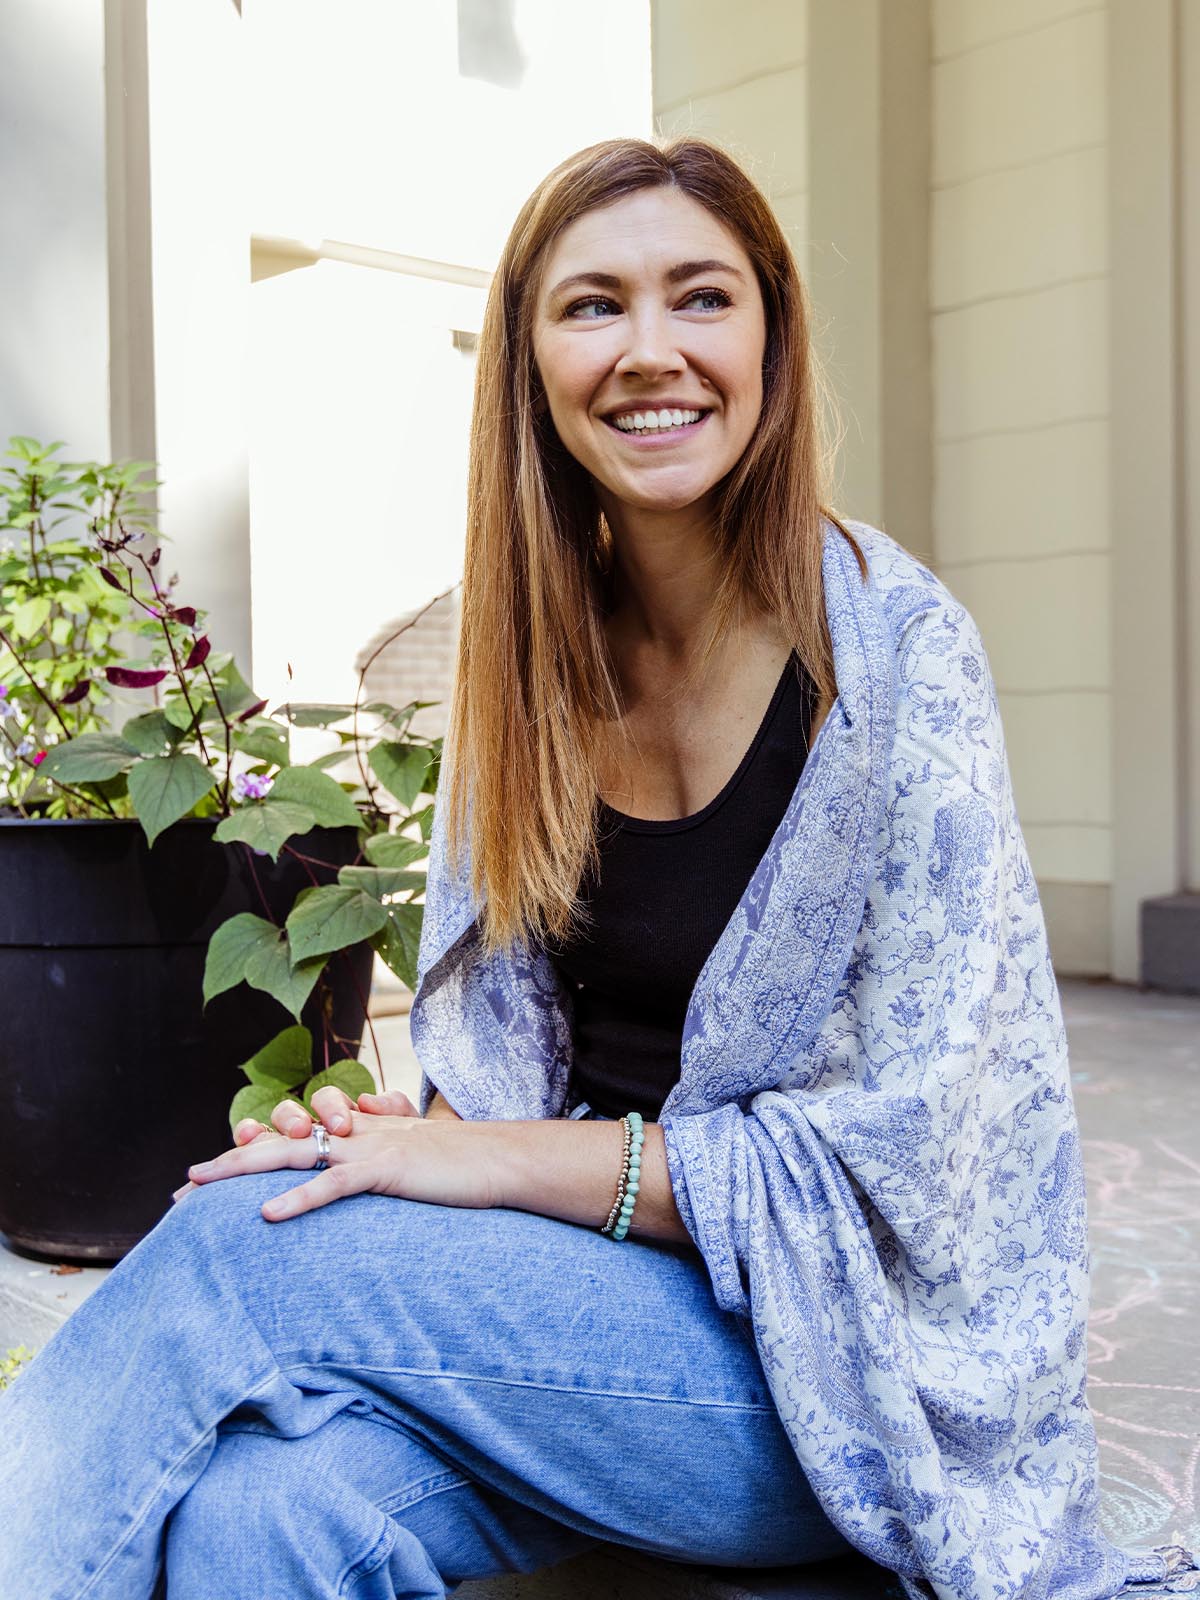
(660, 902)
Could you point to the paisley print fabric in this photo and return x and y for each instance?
(872, 1139)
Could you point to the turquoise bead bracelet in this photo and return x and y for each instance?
(629, 1182)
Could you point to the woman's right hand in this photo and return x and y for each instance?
(333, 1106)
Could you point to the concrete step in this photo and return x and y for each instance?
(37, 1297)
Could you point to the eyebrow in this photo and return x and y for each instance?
(676, 274)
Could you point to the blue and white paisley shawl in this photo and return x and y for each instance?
(872, 1140)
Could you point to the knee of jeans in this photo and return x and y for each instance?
(210, 1213)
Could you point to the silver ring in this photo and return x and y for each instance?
(321, 1139)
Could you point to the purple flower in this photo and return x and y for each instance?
(248, 786)
(7, 709)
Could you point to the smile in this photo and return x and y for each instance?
(657, 424)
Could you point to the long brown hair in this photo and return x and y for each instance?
(535, 677)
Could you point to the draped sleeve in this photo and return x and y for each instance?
(902, 1215)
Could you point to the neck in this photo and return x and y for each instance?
(664, 576)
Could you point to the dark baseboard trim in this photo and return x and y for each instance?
(1171, 943)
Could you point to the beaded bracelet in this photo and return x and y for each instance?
(629, 1182)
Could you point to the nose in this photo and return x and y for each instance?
(650, 350)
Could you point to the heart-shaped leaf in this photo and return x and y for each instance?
(329, 803)
(394, 850)
(266, 825)
(165, 788)
(230, 948)
(400, 768)
(311, 715)
(274, 970)
(381, 881)
(397, 941)
(331, 918)
(90, 758)
(265, 740)
(151, 734)
(283, 1062)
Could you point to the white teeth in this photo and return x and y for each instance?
(654, 421)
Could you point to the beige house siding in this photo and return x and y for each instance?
(739, 76)
(1019, 319)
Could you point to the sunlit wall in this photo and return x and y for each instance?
(391, 144)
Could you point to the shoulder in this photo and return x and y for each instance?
(915, 604)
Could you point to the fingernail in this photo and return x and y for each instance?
(338, 1123)
(201, 1169)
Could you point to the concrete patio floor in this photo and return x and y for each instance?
(1136, 1070)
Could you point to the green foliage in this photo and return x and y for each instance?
(327, 802)
(332, 918)
(12, 1362)
(84, 608)
(402, 769)
(351, 1076)
(164, 788)
(266, 825)
(396, 942)
(59, 620)
(283, 1061)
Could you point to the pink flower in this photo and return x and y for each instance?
(36, 760)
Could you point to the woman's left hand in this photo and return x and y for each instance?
(408, 1156)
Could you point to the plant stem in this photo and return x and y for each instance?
(182, 681)
(258, 886)
(330, 866)
(362, 677)
(228, 737)
(40, 692)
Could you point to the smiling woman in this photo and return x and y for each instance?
(785, 1024)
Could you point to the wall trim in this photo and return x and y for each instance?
(869, 143)
(1148, 667)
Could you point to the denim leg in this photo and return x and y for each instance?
(593, 1383)
(359, 1508)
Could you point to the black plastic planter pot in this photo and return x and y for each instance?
(113, 1077)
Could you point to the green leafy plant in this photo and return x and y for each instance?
(204, 746)
(11, 1364)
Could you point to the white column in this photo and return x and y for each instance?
(200, 244)
(53, 268)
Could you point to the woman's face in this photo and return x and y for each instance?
(649, 309)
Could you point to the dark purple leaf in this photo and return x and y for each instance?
(198, 654)
(111, 579)
(184, 614)
(130, 678)
(75, 695)
(252, 711)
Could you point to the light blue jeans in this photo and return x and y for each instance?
(382, 1398)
